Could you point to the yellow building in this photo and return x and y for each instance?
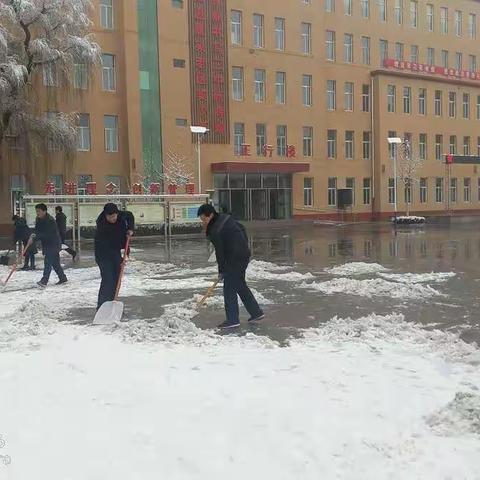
(299, 98)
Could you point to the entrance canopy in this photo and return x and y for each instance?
(260, 167)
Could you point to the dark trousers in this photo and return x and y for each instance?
(29, 255)
(234, 284)
(110, 271)
(52, 261)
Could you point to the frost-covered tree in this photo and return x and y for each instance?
(409, 164)
(41, 35)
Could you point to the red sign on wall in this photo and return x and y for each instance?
(209, 67)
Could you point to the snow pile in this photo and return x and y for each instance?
(356, 268)
(433, 277)
(458, 417)
(377, 287)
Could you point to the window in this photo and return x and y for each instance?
(237, 83)
(331, 94)
(50, 75)
(259, 85)
(466, 145)
(332, 144)
(82, 181)
(430, 56)
(281, 140)
(398, 12)
(478, 189)
(237, 30)
(453, 190)
(366, 50)
(260, 138)
(423, 190)
(383, 52)
(439, 190)
(478, 146)
(422, 101)
(108, 72)
(366, 145)
(458, 23)
(478, 107)
(307, 141)
(382, 10)
(452, 104)
(280, 33)
(181, 122)
(430, 17)
(307, 90)
(467, 187)
(367, 191)
(106, 14)
(391, 191)
(438, 147)
(438, 103)
(453, 145)
(306, 38)
(348, 7)
(365, 6)
(178, 63)
(258, 37)
(392, 149)
(472, 25)
(408, 191)
(407, 100)
(414, 53)
(83, 132)
(444, 20)
(331, 45)
(349, 141)
(280, 78)
(391, 98)
(365, 98)
(399, 51)
(110, 123)
(177, 3)
(458, 61)
(330, 6)
(332, 191)
(238, 138)
(348, 96)
(80, 78)
(445, 58)
(350, 185)
(466, 105)
(413, 13)
(422, 146)
(308, 192)
(348, 48)
(472, 63)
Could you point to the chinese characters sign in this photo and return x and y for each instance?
(209, 67)
(432, 70)
(267, 151)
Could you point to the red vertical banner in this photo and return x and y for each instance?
(209, 68)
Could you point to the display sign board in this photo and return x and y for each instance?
(184, 213)
(68, 210)
(147, 213)
(89, 212)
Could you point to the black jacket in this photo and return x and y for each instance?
(110, 238)
(22, 231)
(230, 241)
(46, 231)
(61, 220)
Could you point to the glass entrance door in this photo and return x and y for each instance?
(259, 204)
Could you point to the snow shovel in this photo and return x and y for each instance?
(208, 294)
(14, 267)
(111, 312)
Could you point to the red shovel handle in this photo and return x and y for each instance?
(15, 265)
(122, 268)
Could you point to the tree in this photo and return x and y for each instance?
(408, 167)
(53, 35)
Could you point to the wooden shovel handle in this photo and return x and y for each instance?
(209, 293)
(122, 268)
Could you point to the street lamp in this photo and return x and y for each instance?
(395, 141)
(199, 132)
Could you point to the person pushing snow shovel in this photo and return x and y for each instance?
(233, 256)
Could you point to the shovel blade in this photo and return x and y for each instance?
(109, 313)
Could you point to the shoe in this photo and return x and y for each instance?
(74, 256)
(25, 268)
(61, 282)
(32, 268)
(257, 318)
(226, 324)
(42, 284)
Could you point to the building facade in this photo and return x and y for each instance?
(299, 98)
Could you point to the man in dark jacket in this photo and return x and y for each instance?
(46, 231)
(233, 255)
(61, 220)
(22, 234)
(113, 227)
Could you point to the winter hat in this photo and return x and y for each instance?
(110, 209)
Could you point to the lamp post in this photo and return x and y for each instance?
(199, 132)
(395, 141)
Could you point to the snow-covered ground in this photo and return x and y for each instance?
(376, 397)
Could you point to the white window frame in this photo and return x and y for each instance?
(280, 88)
(236, 27)
(348, 48)
(331, 95)
(307, 141)
(107, 15)
(258, 31)
(349, 96)
(279, 33)
(306, 37)
(260, 85)
(111, 135)
(237, 84)
(109, 74)
(307, 83)
(349, 144)
(331, 45)
(84, 143)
